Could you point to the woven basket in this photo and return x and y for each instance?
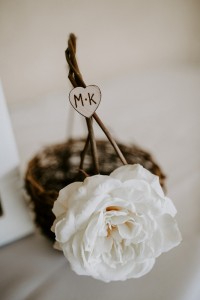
(57, 166)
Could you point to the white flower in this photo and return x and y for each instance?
(113, 227)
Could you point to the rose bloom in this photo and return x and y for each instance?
(113, 227)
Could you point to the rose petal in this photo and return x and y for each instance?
(140, 269)
(132, 191)
(58, 209)
(65, 228)
(73, 252)
(126, 230)
(155, 184)
(91, 232)
(67, 192)
(169, 207)
(99, 184)
(135, 171)
(170, 232)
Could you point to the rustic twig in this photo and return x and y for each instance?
(110, 138)
(84, 173)
(84, 151)
(93, 144)
(76, 80)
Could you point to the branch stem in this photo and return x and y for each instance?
(110, 138)
(76, 80)
(84, 151)
(93, 144)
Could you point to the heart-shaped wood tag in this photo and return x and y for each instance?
(85, 100)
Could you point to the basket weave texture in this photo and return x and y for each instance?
(57, 166)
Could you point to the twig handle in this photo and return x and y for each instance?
(110, 138)
(76, 80)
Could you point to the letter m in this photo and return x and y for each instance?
(78, 99)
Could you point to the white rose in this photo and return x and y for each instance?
(113, 227)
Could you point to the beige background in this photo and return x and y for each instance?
(145, 57)
(114, 36)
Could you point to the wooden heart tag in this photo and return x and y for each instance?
(85, 100)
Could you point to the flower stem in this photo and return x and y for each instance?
(84, 151)
(110, 138)
(84, 173)
(93, 144)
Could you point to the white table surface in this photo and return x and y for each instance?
(160, 111)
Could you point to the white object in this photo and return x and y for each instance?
(114, 227)
(14, 220)
(85, 100)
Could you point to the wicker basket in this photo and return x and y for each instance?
(57, 166)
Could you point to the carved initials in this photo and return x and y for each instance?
(85, 100)
(91, 99)
(79, 98)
